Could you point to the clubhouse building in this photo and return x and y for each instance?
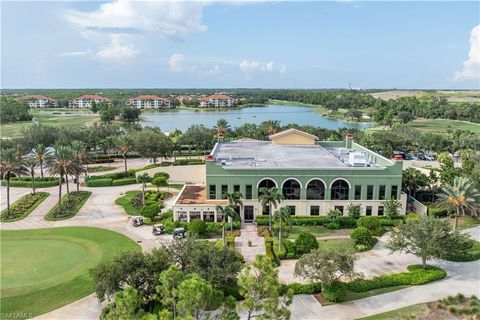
(313, 176)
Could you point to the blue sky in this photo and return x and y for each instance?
(133, 44)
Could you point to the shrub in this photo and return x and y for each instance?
(161, 174)
(290, 252)
(122, 182)
(269, 251)
(305, 243)
(300, 288)
(107, 160)
(345, 222)
(362, 236)
(416, 276)
(371, 223)
(471, 252)
(437, 212)
(114, 176)
(26, 182)
(354, 210)
(151, 211)
(263, 231)
(198, 227)
(333, 226)
(106, 182)
(335, 292)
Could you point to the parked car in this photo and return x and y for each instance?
(158, 230)
(137, 221)
(179, 233)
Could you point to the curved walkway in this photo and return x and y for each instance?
(463, 277)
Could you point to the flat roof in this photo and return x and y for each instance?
(196, 195)
(265, 154)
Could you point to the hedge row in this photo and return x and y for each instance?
(182, 162)
(23, 206)
(112, 179)
(415, 277)
(470, 253)
(122, 182)
(336, 292)
(345, 222)
(114, 176)
(26, 182)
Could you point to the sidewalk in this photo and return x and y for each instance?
(249, 233)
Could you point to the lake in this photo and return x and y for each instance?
(170, 120)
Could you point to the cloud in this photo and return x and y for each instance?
(74, 53)
(471, 67)
(178, 64)
(115, 50)
(283, 70)
(250, 66)
(171, 19)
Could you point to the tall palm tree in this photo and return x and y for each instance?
(30, 163)
(234, 201)
(43, 154)
(227, 211)
(460, 197)
(124, 145)
(10, 164)
(62, 164)
(271, 198)
(221, 128)
(282, 215)
(271, 126)
(143, 179)
(81, 155)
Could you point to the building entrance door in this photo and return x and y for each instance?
(248, 213)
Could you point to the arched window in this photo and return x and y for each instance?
(291, 190)
(316, 190)
(266, 183)
(340, 190)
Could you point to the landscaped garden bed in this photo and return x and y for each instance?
(70, 205)
(26, 182)
(45, 269)
(470, 253)
(23, 206)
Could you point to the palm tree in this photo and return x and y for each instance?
(233, 215)
(281, 215)
(30, 163)
(124, 145)
(81, 155)
(270, 197)
(43, 154)
(227, 211)
(221, 128)
(10, 164)
(62, 164)
(271, 126)
(235, 201)
(460, 197)
(143, 179)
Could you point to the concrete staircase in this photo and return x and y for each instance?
(249, 233)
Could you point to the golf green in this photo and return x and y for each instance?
(42, 270)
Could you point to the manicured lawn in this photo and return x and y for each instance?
(45, 269)
(70, 206)
(337, 244)
(360, 295)
(420, 309)
(126, 203)
(74, 121)
(315, 230)
(440, 125)
(23, 206)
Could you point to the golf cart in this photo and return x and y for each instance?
(158, 230)
(179, 233)
(137, 221)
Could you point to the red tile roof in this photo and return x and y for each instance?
(93, 97)
(37, 97)
(218, 97)
(150, 97)
(196, 195)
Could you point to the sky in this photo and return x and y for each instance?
(252, 44)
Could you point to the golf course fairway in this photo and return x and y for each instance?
(45, 269)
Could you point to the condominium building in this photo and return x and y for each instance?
(313, 176)
(86, 101)
(38, 101)
(218, 101)
(150, 102)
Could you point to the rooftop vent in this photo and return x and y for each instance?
(357, 159)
